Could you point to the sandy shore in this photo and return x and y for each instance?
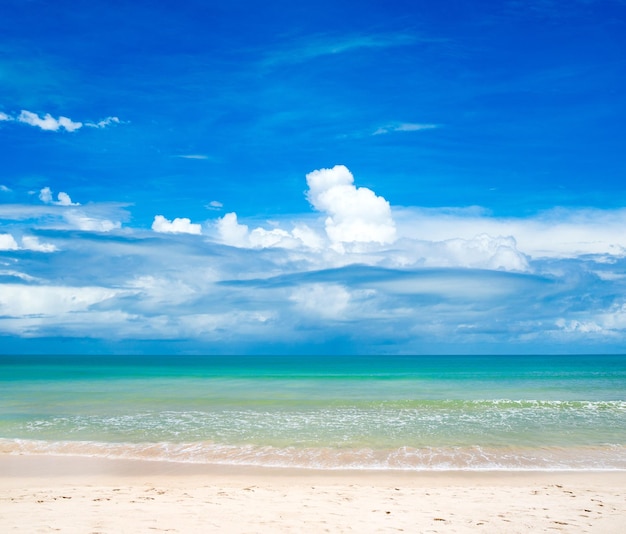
(86, 495)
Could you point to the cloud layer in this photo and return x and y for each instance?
(354, 275)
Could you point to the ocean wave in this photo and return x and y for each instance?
(607, 457)
(380, 425)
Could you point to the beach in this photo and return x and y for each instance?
(286, 444)
(73, 494)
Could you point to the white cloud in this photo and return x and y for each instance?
(604, 322)
(358, 217)
(103, 123)
(45, 195)
(574, 326)
(557, 233)
(158, 290)
(276, 237)
(65, 200)
(177, 226)
(48, 122)
(194, 156)
(308, 237)
(214, 205)
(355, 215)
(450, 275)
(324, 45)
(480, 252)
(78, 219)
(231, 232)
(403, 127)
(87, 223)
(32, 243)
(19, 300)
(4, 189)
(328, 301)
(7, 242)
(17, 274)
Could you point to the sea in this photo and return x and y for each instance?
(415, 413)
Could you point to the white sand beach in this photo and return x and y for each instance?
(89, 495)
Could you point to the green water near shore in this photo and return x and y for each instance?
(566, 412)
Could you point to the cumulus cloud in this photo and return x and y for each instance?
(231, 232)
(262, 238)
(45, 195)
(177, 226)
(557, 233)
(4, 189)
(355, 215)
(33, 243)
(480, 252)
(7, 242)
(4, 117)
(63, 199)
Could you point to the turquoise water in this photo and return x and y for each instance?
(386, 412)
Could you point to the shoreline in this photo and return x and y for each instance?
(64, 465)
(82, 494)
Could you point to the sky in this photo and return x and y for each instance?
(371, 177)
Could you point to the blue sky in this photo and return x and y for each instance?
(312, 177)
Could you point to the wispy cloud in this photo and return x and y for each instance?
(63, 214)
(103, 123)
(404, 127)
(194, 156)
(214, 205)
(327, 45)
(49, 123)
